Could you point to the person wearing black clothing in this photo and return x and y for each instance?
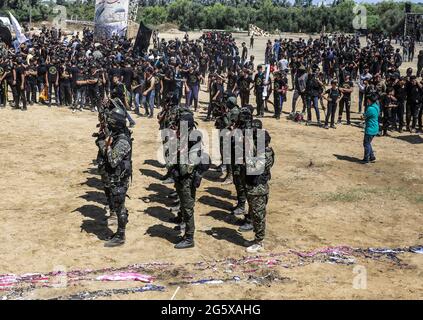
(41, 75)
(74, 71)
(114, 71)
(93, 90)
(314, 88)
(244, 53)
(31, 88)
(232, 80)
(258, 90)
(333, 95)
(158, 87)
(127, 77)
(244, 82)
(53, 82)
(3, 74)
(65, 86)
(345, 102)
(280, 87)
(389, 105)
(203, 62)
(20, 85)
(192, 87)
(401, 96)
(414, 99)
(11, 80)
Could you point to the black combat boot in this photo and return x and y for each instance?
(118, 238)
(187, 242)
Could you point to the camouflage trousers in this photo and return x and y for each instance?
(118, 191)
(239, 182)
(257, 212)
(186, 192)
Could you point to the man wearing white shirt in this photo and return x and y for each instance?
(364, 78)
(283, 64)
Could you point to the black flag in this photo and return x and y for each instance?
(142, 41)
(5, 35)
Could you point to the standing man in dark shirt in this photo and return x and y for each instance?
(258, 90)
(414, 99)
(3, 74)
(11, 79)
(244, 54)
(93, 90)
(41, 75)
(346, 89)
(401, 96)
(20, 85)
(280, 87)
(53, 81)
(333, 95)
(127, 77)
(31, 76)
(192, 87)
(114, 71)
(74, 71)
(244, 83)
(65, 85)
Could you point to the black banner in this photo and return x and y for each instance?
(5, 35)
(142, 41)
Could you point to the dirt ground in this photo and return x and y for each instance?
(51, 210)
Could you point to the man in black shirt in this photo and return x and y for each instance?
(53, 81)
(74, 71)
(244, 83)
(31, 88)
(93, 91)
(258, 90)
(41, 75)
(127, 77)
(346, 89)
(20, 85)
(3, 98)
(401, 96)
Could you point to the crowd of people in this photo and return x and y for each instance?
(79, 72)
(114, 79)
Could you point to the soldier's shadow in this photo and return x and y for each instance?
(160, 213)
(225, 217)
(151, 173)
(93, 182)
(215, 202)
(95, 196)
(230, 235)
(164, 232)
(214, 176)
(160, 195)
(154, 163)
(97, 223)
(219, 192)
(93, 171)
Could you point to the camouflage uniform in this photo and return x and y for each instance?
(184, 184)
(119, 170)
(101, 163)
(257, 189)
(187, 179)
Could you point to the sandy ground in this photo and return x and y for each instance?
(51, 210)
